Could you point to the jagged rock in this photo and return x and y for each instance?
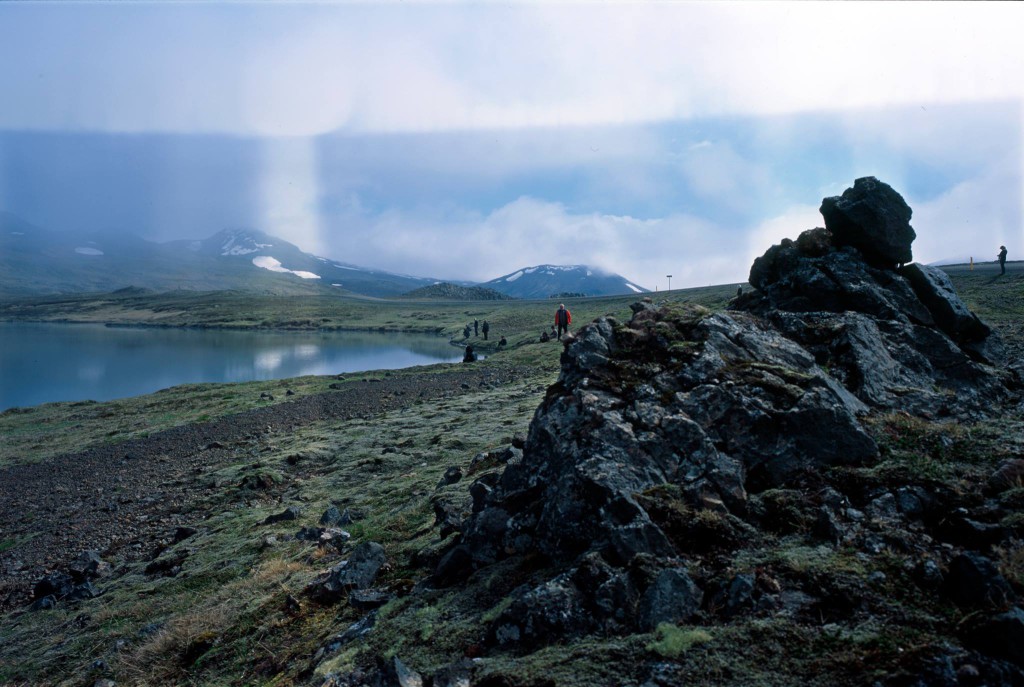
(57, 585)
(542, 615)
(672, 598)
(368, 599)
(349, 516)
(288, 514)
(451, 476)
(873, 334)
(456, 674)
(895, 339)
(85, 590)
(45, 603)
(331, 516)
(952, 315)
(358, 571)
(360, 628)
(973, 580)
(872, 217)
(87, 565)
(928, 574)
(999, 635)
(450, 510)
(604, 433)
(681, 424)
(310, 533)
(1009, 474)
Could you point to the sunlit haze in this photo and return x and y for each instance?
(464, 141)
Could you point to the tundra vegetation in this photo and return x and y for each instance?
(235, 558)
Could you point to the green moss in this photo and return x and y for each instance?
(672, 641)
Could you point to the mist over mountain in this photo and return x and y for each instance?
(35, 261)
(39, 261)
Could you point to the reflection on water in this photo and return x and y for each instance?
(58, 362)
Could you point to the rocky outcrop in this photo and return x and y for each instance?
(895, 338)
(708, 406)
(683, 433)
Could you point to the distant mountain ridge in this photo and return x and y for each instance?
(39, 261)
(547, 281)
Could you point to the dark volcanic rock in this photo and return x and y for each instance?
(357, 572)
(872, 217)
(673, 598)
(715, 404)
(684, 433)
(1000, 635)
(973, 580)
(896, 339)
(288, 514)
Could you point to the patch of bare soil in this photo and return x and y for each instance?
(123, 499)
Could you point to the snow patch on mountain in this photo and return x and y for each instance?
(246, 246)
(274, 265)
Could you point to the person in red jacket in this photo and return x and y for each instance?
(562, 319)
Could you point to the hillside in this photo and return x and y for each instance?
(454, 292)
(37, 261)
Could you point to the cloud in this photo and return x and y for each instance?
(276, 69)
(529, 231)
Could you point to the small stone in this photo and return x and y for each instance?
(331, 516)
(183, 533)
(288, 514)
(451, 476)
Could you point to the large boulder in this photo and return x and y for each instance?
(873, 218)
(895, 338)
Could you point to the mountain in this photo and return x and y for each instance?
(552, 281)
(38, 261)
(249, 249)
(35, 261)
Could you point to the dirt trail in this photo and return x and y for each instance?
(124, 498)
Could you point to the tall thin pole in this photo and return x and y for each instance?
(669, 281)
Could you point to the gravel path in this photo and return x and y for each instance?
(124, 498)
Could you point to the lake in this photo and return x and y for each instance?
(40, 363)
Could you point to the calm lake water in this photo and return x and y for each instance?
(40, 363)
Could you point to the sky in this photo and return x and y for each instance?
(465, 141)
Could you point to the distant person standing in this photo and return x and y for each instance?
(476, 328)
(562, 319)
(486, 328)
(1002, 259)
